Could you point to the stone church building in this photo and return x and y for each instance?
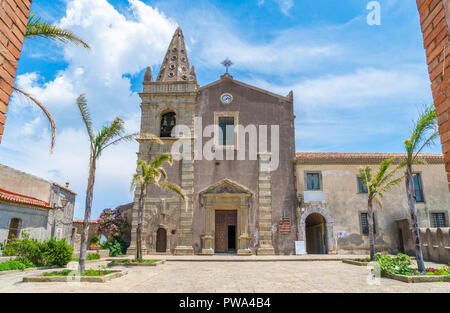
(262, 203)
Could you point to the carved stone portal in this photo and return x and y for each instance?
(225, 196)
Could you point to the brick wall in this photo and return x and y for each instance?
(435, 21)
(13, 23)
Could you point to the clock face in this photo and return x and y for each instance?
(226, 98)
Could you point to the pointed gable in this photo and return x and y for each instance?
(175, 66)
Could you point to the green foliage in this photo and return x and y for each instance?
(115, 247)
(438, 271)
(38, 28)
(94, 256)
(60, 273)
(112, 224)
(95, 239)
(56, 252)
(398, 264)
(12, 265)
(31, 252)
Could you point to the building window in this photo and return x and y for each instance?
(418, 188)
(226, 131)
(438, 220)
(361, 187)
(168, 122)
(365, 224)
(14, 228)
(313, 181)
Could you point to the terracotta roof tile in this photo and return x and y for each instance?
(66, 189)
(359, 158)
(13, 197)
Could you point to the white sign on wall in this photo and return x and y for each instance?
(341, 234)
(300, 247)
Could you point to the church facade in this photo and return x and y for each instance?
(233, 202)
(247, 191)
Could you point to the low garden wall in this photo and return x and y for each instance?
(103, 253)
(436, 244)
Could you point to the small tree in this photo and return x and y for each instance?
(376, 186)
(423, 134)
(149, 174)
(109, 135)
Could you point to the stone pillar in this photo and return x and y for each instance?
(185, 234)
(243, 238)
(132, 248)
(265, 245)
(208, 237)
(435, 21)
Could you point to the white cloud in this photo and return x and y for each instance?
(120, 46)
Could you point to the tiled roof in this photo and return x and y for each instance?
(81, 221)
(359, 158)
(66, 189)
(13, 197)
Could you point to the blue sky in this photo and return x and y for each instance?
(357, 87)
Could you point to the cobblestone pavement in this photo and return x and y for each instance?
(231, 277)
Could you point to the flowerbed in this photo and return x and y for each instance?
(89, 272)
(141, 262)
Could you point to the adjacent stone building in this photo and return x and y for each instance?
(28, 203)
(332, 211)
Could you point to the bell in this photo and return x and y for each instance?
(172, 123)
(164, 122)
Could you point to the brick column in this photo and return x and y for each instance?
(435, 21)
(13, 23)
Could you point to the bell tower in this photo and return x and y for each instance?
(168, 101)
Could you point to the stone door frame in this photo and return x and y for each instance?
(154, 238)
(222, 196)
(328, 223)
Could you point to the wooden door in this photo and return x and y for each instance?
(161, 240)
(224, 219)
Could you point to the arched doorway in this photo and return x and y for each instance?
(161, 240)
(316, 234)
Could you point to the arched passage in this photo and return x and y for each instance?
(316, 234)
(322, 217)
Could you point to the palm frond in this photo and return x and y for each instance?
(126, 138)
(390, 185)
(174, 188)
(41, 29)
(85, 115)
(426, 122)
(429, 142)
(46, 112)
(147, 135)
(378, 202)
(159, 160)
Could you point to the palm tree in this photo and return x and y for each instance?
(376, 186)
(36, 28)
(149, 174)
(109, 135)
(422, 135)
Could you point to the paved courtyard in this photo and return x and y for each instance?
(230, 277)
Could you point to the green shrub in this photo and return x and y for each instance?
(12, 265)
(115, 247)
(94, 256)
(56, 252)
(398, 264)
(10, 248)
(32, 253)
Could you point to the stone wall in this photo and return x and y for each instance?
(13, 24)
(436, 244)
(78, 227)
(434, 20)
